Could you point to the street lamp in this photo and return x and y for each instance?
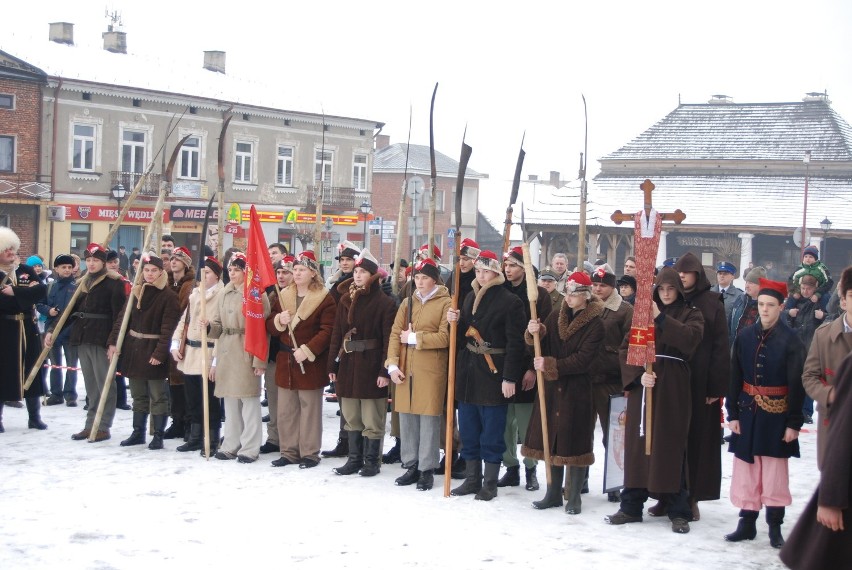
(825, 224)
(365, 209)
(118, 193)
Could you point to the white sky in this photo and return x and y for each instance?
(504, 68)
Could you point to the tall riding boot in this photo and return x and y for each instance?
(489, 485)
(775, 518)
(159, 429)
(532, 479)
(745, 528)
(553, 497)
(356, 454)
(473, 479)
(393, 454)
(33, 407)
(195, 441)
(2, 429)
(576, 475)
(372, 455)
(140, 424)
(175, 430)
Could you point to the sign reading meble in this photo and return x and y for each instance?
(191, 214)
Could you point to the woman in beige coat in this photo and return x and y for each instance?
(421, 389)
(236, 372)
(189, 362)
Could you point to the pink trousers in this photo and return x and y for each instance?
(765, 482)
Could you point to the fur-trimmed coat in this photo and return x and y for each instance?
(183, 288)
(616, 317)
(498, 315)
(154, 310)
(19, 337)
(543, 308)
(102, 295)
(424, 390)
(312, 324)
(235, 376)
(371, 313)
(191, 363)
(570, 343)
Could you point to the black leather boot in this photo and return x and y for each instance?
(532, 479)
(195, 441)
(33, 409)
(372, 458)
(159, 432)
(426, 481)
(553, 497)
(342, 447)
(175, 430)
(745, 528)
(472, 481)
(511, 478)
(410, 477)
(140, 425)
(489, 485)
(775, 518)
(355, 461)
(2, 429)
(576, 475)
(393, 454)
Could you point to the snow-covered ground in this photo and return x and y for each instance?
(68, 504)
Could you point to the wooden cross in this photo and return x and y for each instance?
(647, 187)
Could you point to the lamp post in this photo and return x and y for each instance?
(118, 193)
(825, 224)
(329, 223)
(803, 240)
(365, 209)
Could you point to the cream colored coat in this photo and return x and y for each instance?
(424, 391)
(191, 363)
(235, 376)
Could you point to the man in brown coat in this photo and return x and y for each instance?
(832, 342)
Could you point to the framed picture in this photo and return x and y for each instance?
(614, 461)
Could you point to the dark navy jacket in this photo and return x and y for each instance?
(59, 294)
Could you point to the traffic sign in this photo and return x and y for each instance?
(797, 237)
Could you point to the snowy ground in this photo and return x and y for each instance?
(69, 504)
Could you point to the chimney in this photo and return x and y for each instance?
(554, 179)
(115, 42)
(533, 177)
(62, 33)
(721, 100)
(382, 141)
(214, 61)
(815, 96)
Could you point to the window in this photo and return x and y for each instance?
(133, 151)
(83, 157)
(87, 96)
(81, 236)
(190, 154)
(7, 154)
(7, 101)
(242, 161)
(325, 162)
(359, 172)
(284, 173)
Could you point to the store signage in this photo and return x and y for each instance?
(95, 213)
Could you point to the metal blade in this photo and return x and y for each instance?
(466, 151)
(516, 181)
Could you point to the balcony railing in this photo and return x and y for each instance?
(150, 188)
(19, 186)
(333, 198)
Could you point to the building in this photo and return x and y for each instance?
(109, 115)
(389, 171)
(740, 172)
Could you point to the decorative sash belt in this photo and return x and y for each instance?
(135, 334)
(753, 390)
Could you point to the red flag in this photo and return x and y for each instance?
(259, 276)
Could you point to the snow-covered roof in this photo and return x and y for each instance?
(392, 159)
(708, 201)
(151, 78)
(752, 131)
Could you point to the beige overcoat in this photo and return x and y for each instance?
(191, 363)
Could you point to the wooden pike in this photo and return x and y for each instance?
(432, 198)
(397, 256)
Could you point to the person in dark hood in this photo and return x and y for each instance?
(711, 370)
(678, 329)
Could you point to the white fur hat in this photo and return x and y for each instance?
(9, 239)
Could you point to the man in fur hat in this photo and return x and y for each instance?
(94, 313)
(20, 289)
(489, 369)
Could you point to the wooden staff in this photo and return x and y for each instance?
(113, 364)
(205, 358)
(318, 217)
(649, 411)
(532, 296)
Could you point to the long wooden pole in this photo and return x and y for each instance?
(397, 255)
(205, 358)
(532, 295)
(451, 370)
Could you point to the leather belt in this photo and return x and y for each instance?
(484, 349)
(82, 315)
(17, 317)
(360, 345)
(753, 390)
(197, 344)
(135, 334)
(233, 331)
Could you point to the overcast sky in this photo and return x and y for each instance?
(503, 68)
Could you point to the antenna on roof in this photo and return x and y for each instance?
(114, 18)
